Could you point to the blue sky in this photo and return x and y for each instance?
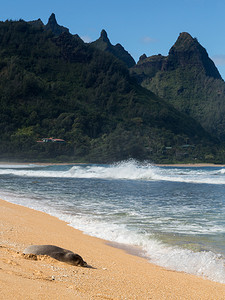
(141, 26)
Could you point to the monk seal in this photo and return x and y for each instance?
(57, 253)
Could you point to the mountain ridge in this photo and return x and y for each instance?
(58, 86)
(104, 44)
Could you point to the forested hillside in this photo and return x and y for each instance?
(52, 84)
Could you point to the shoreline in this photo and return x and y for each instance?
(116, 274)
(198, 165)
(77, 163)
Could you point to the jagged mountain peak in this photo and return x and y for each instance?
(104, 44)
(104, 36)
(54, 26)
(52, 19)
(188, 51)
(185, 42)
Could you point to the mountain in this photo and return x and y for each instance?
(104, 44)
(54, 85)
(188, 79)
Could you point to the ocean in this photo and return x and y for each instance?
(174, 216)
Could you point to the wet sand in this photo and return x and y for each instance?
(116, 273)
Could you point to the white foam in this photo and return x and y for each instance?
(18, 166)
(130, 170)
(205, 264)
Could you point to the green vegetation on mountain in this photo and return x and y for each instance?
(188, 79)
(52, 84)
(104, 44)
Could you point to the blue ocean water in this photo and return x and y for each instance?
(174, 215)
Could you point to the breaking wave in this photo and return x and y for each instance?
(129, 170)
(117, 209)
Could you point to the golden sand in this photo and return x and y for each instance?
(115, 273)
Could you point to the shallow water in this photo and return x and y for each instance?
(175, 215)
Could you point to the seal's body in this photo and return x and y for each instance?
(57, 253)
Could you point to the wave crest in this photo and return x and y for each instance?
(129, 170)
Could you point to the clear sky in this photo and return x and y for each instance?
(140, 26)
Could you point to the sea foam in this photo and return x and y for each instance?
(205, 263)
(128, 170)
(202, 263)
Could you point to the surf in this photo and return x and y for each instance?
(125, 170)
(177, 223)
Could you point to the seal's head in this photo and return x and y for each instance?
(75, 259)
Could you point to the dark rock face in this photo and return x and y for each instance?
(104, 37)
(54, 27)
(142, 57)
(188, 51)
(149, 66)
(104, 44)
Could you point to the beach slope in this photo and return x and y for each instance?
(115, 274)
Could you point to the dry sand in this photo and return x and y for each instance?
(115, 273)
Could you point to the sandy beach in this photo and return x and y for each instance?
(115, 274)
